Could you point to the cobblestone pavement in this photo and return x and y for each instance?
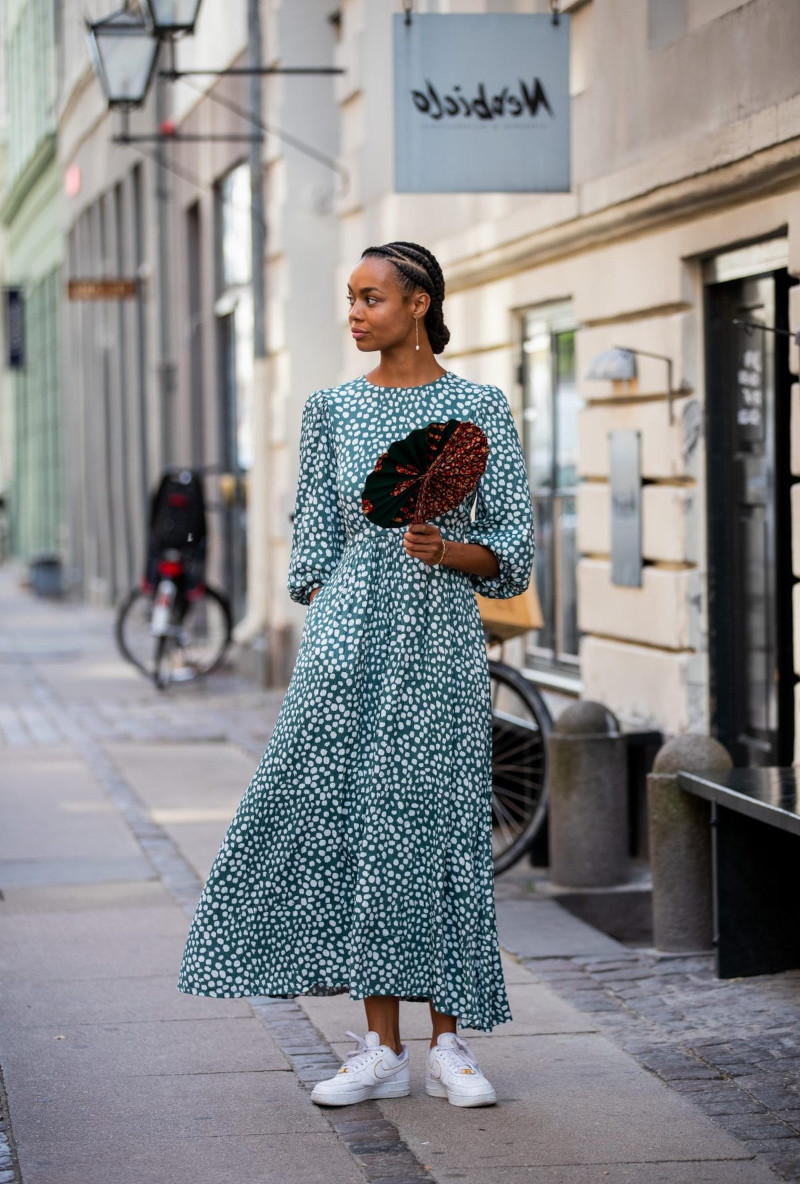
(732, 1046)
(9, 1163)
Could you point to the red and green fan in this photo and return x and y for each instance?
(427, 473)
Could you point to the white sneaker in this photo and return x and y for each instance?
(453, 1072)
(372, 1070)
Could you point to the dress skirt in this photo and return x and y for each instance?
(359, 858)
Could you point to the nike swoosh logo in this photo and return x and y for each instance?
(378, 1068)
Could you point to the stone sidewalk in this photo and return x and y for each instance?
(114, 800)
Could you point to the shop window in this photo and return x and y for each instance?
(550, 439)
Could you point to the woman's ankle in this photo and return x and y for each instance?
(393, 1043)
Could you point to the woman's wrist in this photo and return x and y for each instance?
(473, 558)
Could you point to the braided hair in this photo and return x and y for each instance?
(418, 268)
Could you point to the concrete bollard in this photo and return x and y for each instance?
(588, 809)
(680, 845)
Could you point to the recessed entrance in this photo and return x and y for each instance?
(748, 478)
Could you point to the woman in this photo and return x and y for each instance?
(359, 859)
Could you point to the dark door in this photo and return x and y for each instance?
(749, 536)
(234, 514)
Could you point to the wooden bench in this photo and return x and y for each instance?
(755, 819)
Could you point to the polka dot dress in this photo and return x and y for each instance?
(359, 858)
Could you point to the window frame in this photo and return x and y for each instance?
(551, 664)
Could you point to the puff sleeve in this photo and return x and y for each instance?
(503, 508)
(318, 534)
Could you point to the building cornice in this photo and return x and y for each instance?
(765, 173)
(25, 180)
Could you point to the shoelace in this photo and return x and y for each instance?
(458, 1052)
(361, 1054)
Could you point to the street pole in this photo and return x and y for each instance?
(166, 365)
(252, 627)
(258, 228)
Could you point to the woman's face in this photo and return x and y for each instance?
(381, 316)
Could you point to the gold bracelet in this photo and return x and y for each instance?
(444, 552)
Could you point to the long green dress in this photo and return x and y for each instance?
(359, 858)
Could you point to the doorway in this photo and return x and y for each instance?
(749, 525)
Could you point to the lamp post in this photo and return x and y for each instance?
(124, 53)
(125, 49)
(167, 18)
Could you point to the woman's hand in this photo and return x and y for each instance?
(423, 541)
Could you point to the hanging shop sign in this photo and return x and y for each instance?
(481, 103)
(102, 289)
(15, 328)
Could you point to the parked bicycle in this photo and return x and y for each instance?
(521, 726)
(173, 626)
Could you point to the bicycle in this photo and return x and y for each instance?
(521, 726)
(173, 627)
(172, 636)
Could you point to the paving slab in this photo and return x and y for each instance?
(107, 1051)
(686, 1171)
(107, 1127)
(107, 1000)
(543, 929)
(561, 1100)
(195, 810)
(81, 898)
(184, 1105)
(109, 943)
(56, 821)
(319, 1157)
(80, 680)
(21, 873)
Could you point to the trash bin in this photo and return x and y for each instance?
(46, 575)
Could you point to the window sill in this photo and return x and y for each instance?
(570, 684)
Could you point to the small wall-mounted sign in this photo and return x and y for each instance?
(15, 328)
(750, 391)
(481, 103)
(102, 289)
(626, 507)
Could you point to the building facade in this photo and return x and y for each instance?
(682, 221)
(678, 241)
(171, 377)
(30, 212)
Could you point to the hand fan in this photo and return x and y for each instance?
(427, 473)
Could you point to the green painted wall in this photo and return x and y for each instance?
(31, 209)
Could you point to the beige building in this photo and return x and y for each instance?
(684, 217)
(169, 378)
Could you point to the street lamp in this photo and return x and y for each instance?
(124, 53)
(167, 18)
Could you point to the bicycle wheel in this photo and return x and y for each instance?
(521, 725)
(132, 631)
(203, 633)
(193, 646)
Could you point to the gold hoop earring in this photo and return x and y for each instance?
(416, 326)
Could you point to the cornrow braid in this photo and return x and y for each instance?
(419, 268)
